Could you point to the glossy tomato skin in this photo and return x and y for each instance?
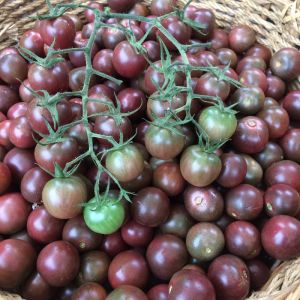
(178, 223)
(290, 144)
(281, 238)
(150, 207)
(32, 40)
(254, 77)
(284, 171)
(219, 39)
(251, 135)
(4, 134)
(17, 110)
(254, 173)
(113, 244)
(94, 267)
(234, 170)
(158, 292)
(60, 30)
(63, 197)
(226, 57)
(102, 62)
(80, 236)
(5, 177)
(89, 14)
(25, 91)
(249, 62)
(104, 218)
(127, 62)
(203, 204)
(199, 168)
(259, 50)
(128, 268)
(281, 199)
(136, 235)
(58, 263)
(36, 288)
(244, 202)
(259, 273)
(17, 261)
(291, 103)
(241, 38)
(276, 87)
(166, 255)
(230, 277)
(126, 163)
(58, 153)
(42, 227)
(32, 184)
(90, 291)
(285, 63)
(14, 211)
(243, 239)
(8, 97)
(190, 284)
(121, 6)
(207, 19)
(127, 292)
(270, 154)
(162, 7)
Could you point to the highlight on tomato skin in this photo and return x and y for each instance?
(146, 153)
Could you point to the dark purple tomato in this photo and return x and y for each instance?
(177, 29)
(150, 207)
(132, 99)
(168, 178)
(113, 244)
(276, 87)
(19, 162)
(251, 135)
(207, 59)
(66, 292)
(281, 199)
(277, 120)
(203, 204)
(63, 197)
(241, 38)
(198, 167)
(127, 62)
(121, 6)
(4, 134)
(219, 39)
(226, 57)
(205, 241)
(128, 268)
(2, 153)
(254, 77)
(89, 291)
(285, 63)
(42, 227)
(190, 284)
(89, 14)
(254, 173)
(207, 19)
(77, 77)
(36, 288)
(32, 184)
(8, 97)
(230, 277)
(224, 221)
(112, 37)
(166, 255)
(76, 20)
(189, 134)
(244, 202)
(32, 40)
(162, 7)
(139, 9)
(13, 69)
(250, 62)
(127, 292)
(284, 171)
(79, 133)
(261, 51)
(94, 267)
(270, 154)
(291, 103)
(77, 233)
(290, 143)
(102, 62)
(21, 134)
(5, 177)
(210, 85)
(14, 211)
(243, 239)
(98, 103)
(281, 237)
(17, 262)
(60, 31)
(23, 235)
(152, 50)
(25, 91)
(178, 223)
(107, 126)
(58, 263)
(17, 110)
(259, 273)
(234, 169)
(59, 153)
(159, 292)
(135, 234)
(269, 102)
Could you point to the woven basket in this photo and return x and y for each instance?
(277, 24)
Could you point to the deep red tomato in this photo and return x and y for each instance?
(5, 177)
(32, 40)
(8, 97)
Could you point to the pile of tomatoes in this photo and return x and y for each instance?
(213, 181)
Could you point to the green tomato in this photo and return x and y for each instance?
(104, 218)
(219, 125)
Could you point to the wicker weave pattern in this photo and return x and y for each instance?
(277, 23)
